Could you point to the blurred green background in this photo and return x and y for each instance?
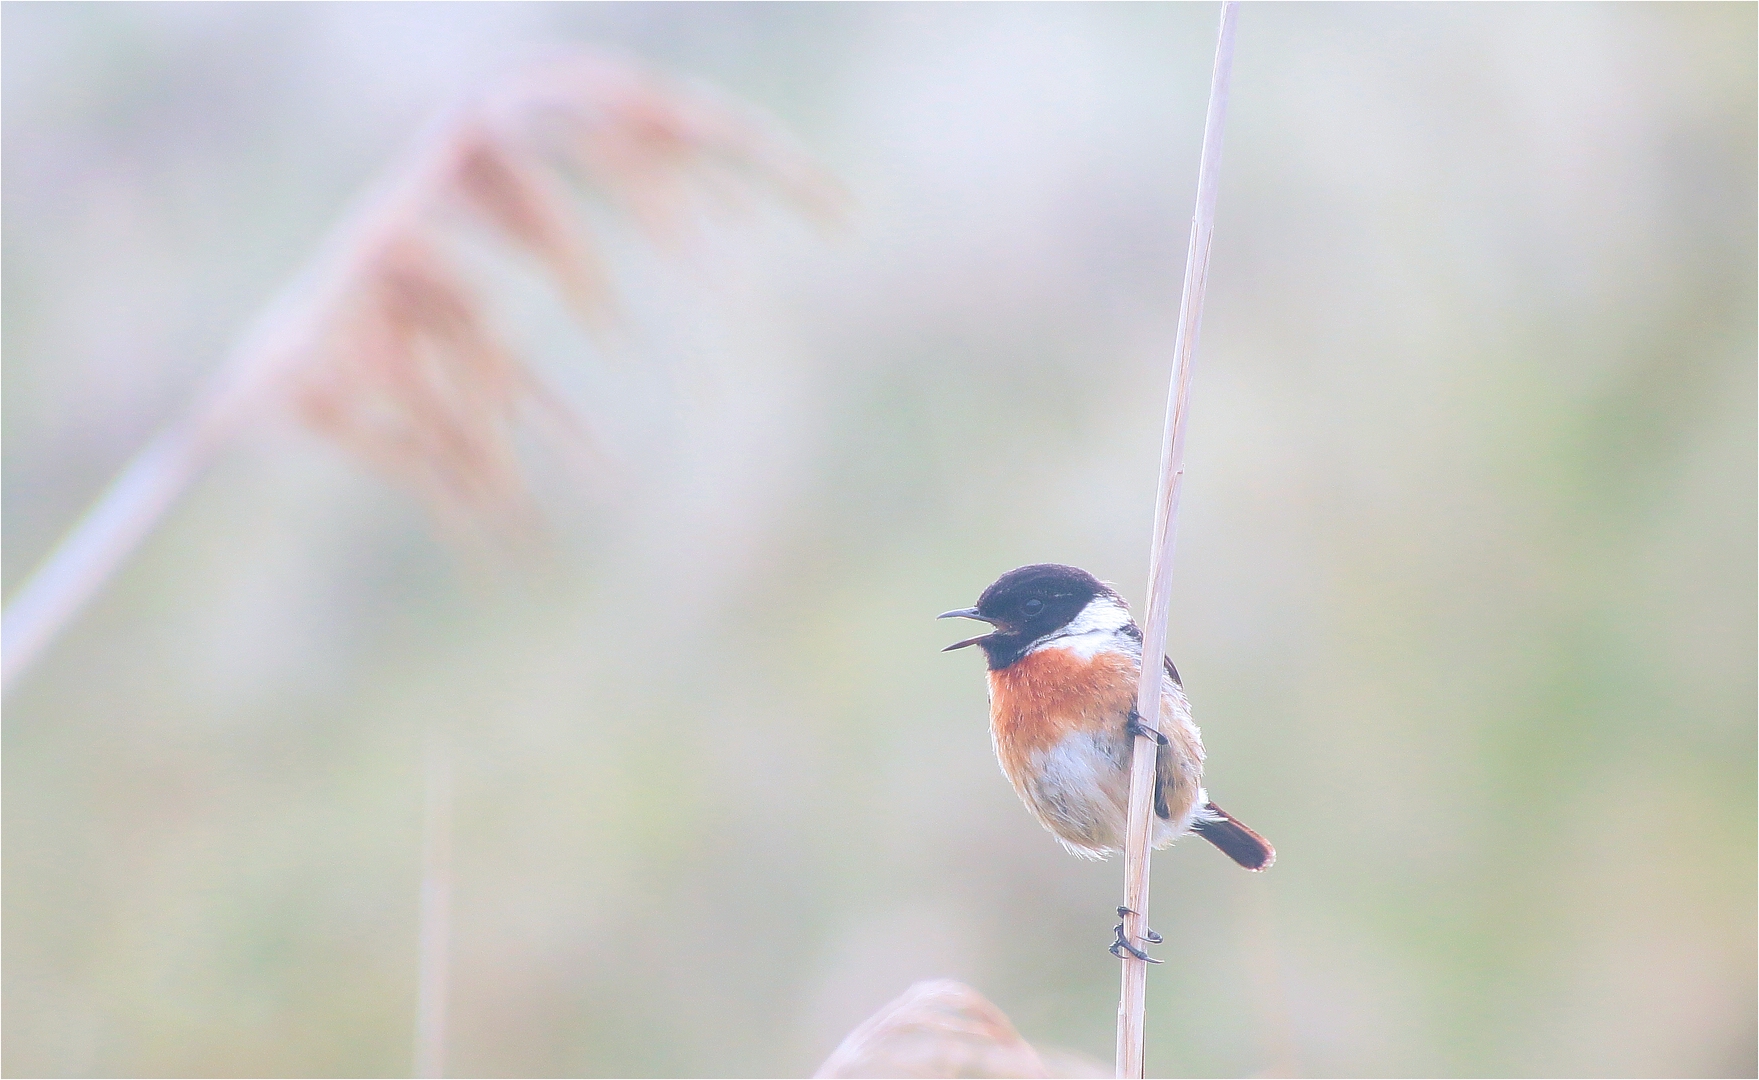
(1465, 586)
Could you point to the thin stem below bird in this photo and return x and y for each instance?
(1133, 994)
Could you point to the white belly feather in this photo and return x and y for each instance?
(1080, 790)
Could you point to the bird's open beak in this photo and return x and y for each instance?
(964, 613)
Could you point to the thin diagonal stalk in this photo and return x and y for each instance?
(383, 346)
(1160, 566)
(133, 505)
(103, 539)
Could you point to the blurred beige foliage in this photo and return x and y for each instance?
(939, 1027)
(409, 372)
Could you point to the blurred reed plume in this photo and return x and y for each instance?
(939, 1027)
(411, 376)
(384, 344)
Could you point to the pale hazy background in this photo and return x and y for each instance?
(1465, 587)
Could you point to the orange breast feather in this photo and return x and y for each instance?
(1047, 694)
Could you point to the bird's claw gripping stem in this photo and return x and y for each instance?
(1134, 727)
(1121, 946)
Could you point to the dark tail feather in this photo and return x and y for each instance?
(1236, 841)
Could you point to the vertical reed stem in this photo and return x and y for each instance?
(433, 978)
(1160, 568)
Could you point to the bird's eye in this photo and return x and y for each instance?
(1032, 607)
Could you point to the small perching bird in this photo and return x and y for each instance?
(1064, 660)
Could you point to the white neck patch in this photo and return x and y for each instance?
(1099, 627)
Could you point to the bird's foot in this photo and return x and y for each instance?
(1134, 727)
(1147, 935)
(1121, 946)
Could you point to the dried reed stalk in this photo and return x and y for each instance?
(1160, 567)
(433, 984)
(382, 344)
(939, 1027)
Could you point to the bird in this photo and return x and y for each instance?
(1064, 661)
